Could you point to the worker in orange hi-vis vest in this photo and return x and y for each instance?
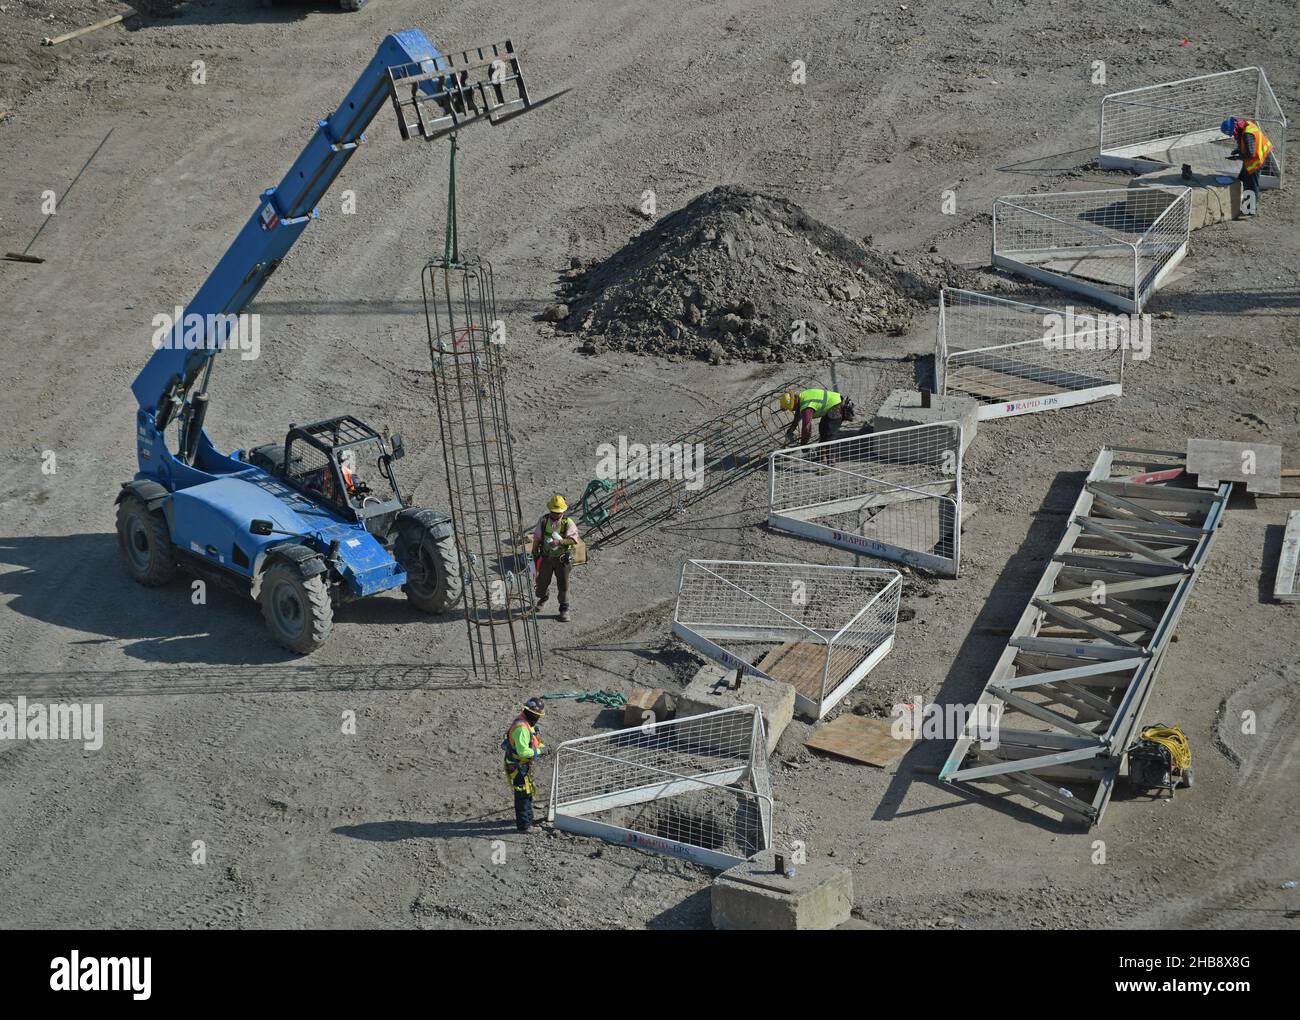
(1254, 150)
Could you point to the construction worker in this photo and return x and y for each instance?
(1252, 148)
(830, 409)
(352, 484)
(523, 747)
(554, 537)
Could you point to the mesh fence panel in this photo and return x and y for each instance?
(894, 494)
(699, 782)
(818, 628)
(1178, 122)
(1114, 244)
(1016, 358)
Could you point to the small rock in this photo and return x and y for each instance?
(556, 313)
(730, 322)
(717, 353)
(746, 309)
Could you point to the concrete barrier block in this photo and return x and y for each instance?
(903, 408)
(710, 690)
(751, 896)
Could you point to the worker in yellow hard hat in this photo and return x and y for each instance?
(828, 408)
(554, 537)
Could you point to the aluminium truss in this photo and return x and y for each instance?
(820, 629)
(1116, 245)
(1072, 685)
(697, 787)
(894, 494)
(1177, 122)
(1014, 358)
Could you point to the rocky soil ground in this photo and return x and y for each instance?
(216, 737)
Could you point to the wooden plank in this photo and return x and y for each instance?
(1287, 586)
(869, 741)
(1257, 465)
(799, 664)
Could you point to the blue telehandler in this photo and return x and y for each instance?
(319, 519)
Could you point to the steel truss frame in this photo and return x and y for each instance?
(1076, 675)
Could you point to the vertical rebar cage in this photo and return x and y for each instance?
(1177, 122)
(466, 347)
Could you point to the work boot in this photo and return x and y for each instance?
(564, 614)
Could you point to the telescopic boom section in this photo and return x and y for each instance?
(282, 214)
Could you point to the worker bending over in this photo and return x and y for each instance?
(830, 409)
(523, 748)
(1252, 148)
(554, 537)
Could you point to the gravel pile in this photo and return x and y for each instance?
(741, 275)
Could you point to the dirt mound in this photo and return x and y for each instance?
(738, 274)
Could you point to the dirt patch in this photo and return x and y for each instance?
(737, 274)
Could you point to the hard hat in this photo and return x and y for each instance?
(788, 400)
(557, 504)
(534, 706)
(1229, 126)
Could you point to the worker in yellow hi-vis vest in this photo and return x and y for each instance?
(829, 409)
(523, 747)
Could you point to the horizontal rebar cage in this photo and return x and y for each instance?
(1070, 690)
(1115, 246)
(697, 788)
(729, 447)
(820, 629)
(895, 494)
(1177, 122)
(1015, 358)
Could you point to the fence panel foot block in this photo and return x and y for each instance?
(904, 408)
(711, 689)
(753, 897)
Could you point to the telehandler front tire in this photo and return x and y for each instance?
(433, 581)
(296, 608)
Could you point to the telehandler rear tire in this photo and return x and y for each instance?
(296, 608)
(433, 581)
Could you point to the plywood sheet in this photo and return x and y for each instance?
(860, 739)
(1287, 586)
(1257, 465)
